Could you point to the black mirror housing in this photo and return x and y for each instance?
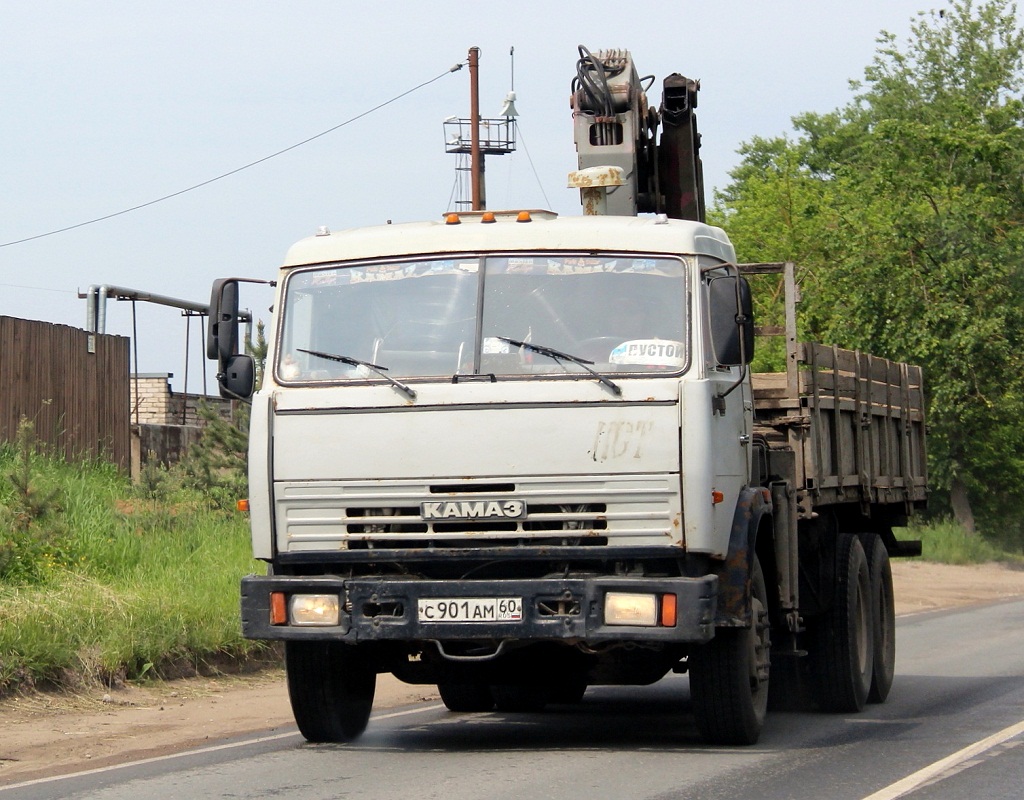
(237, 381)
(732, 320)
(222, 334)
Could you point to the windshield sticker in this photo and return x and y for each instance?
(329, 278)
(390, 272)
(650, 353)
(584, 265)
(495, 346)
(580, 266)
(515, 265)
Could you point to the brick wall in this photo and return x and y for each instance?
(150, 398)
(154, 403)
(164, 423)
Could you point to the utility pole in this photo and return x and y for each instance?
(476, 157)
(476, 138)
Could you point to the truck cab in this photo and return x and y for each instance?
(492, 437)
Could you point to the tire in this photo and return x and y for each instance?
(466, 696)
(519, 699)
(729, 676)
(568, 692)
(841, 657)
(331, 687)
(883, 616)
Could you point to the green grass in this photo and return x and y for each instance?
(104, 585)
(946, 542)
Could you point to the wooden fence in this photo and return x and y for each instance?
(78, 401)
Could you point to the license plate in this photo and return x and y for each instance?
(470, 609)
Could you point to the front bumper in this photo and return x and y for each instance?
(385, 609)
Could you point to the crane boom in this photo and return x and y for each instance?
(624, 169)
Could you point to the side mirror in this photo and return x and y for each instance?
(732, 320)
(237, 380)
(222, 338)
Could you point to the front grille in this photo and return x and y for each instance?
(588, 511)
(473, 488)
(382, 520)
(543, 517)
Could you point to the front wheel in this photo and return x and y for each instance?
(729, 675)
(331, 687)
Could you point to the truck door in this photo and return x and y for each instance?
(728, 348)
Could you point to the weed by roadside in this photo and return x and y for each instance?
(946, 542)
(104, 581)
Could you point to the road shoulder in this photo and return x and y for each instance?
(48, 734)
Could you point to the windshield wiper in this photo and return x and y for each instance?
(355, 362)
(559, 356)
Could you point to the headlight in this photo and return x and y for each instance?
(314, 609)
(630, 609)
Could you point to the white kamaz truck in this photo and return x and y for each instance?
(516, 455)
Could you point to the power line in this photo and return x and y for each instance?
(235, 171)
(36, 288)
(519, 130)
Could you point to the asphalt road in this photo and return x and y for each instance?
(953, 728)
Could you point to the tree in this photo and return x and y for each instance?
(217, 464)
(906, 211)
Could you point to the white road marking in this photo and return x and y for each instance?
(201, 751)
(912, 782)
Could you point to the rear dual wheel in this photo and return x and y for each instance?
(520, 699)
(842, 645)
(568, 692)
(883, 613)
(565, 688)
(536, 697)
(470, 697)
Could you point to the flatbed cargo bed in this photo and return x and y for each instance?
(854, 422)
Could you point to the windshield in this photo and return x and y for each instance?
(484, 315)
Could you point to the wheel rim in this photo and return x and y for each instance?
(759, 655)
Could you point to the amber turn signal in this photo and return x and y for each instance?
(668, 611)
(278, 609)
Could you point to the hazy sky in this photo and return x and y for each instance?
(107, 105)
